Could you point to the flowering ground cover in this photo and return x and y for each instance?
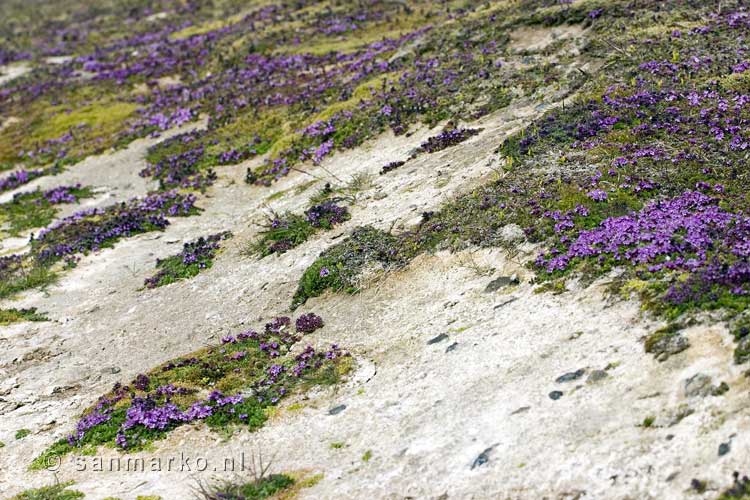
(640, 175)
(327, 90)
(195, 257)
(284, 232)
(269, 80)
(18, 178)
(38, 208)
(62, 243)
(233, 384)
(637, 179)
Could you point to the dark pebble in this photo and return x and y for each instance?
(724, 448)
(337, 409)
(482, 459)
(570, 376)
(521, 410)
(555, 395)
(437, 339)
(451, 347)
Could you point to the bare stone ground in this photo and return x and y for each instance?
(451, 393)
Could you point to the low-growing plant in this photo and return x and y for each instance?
(58, 491)
(233, 384)
(38, 208)
(284, 232)
(195, 257)
(9, 316)
(22, 433)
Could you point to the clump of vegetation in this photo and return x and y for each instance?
(58, 491)
(262, 485)
(389, 167)
(340, 267)
(267, 487)
(22, 433)
(60, 245)
(9, 316)
(449, 137)
(229, 385)
(287, 231)
(38, 208)
(740, 490)
(195, 257)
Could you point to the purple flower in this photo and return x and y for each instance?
(141, 382)
(308, 323)
(597, 195)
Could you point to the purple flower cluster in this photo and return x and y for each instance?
(308, 323)
(447, 139)
(18, 178)
(195, 256)
(690, 233)
(181, 170)
(89, 230)
(391, 166)
(262, 357)
(101, 413)
(278, 325)
(62, 194)
(326, 215)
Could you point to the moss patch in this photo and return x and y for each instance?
(9, 316)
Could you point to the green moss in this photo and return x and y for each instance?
(56, 492)
(8, 316)
(91, 116)
(22, 433)
(661, 335)
(101, 117)
(367, 456)
(50, 455)
(648, 422)
(255, 412)
(337, 445)
(310, 481)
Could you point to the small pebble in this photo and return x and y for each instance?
(437, 339)
(724, 448)
(337, 409)
(570, 376)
